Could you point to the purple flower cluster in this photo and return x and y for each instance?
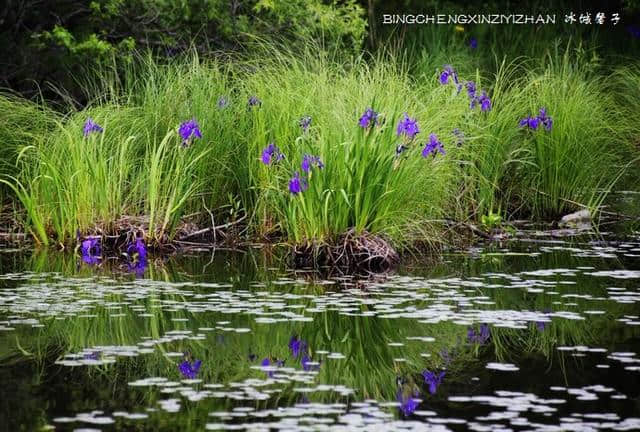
(308, 364)
(299, 184)
(297, 346)
(91, 126)
(188, 131)
(484, 102)
(478, 337)
(432, 147)
(408, 402)
(473, 43)
(433, 379)
(300, 349)
(309, 161)
(476, 98)
(447, 73)
(137, 252)
(268, 365)
(93, 355)
(408, 127)
(542, 325)
(541, 119)
(305, 122)
(471, 90)
(91, 250)
(369, 119)
(189, 369)
(271, 154)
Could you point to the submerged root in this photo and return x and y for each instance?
(354, 251)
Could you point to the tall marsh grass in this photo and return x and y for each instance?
(138, 167)
(544, 173)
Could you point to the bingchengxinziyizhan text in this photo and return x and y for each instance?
(570, 18)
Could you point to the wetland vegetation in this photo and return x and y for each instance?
(287, 216)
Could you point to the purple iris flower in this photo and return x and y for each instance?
(368, 119)
(545, 119)
(541, 325)
(433, 379)
(297, 346)
(485, 102)
(471, 334)
(266, 362)
(94, 355)
(138, 267)
(533, 122)
(271, 154)
(529, 122)
(408, 126)
(188, 131)
(479, 337)
(306, 366)
(447, 73)
(254, 101)
(473, 43)
(223, 102)
(432, 147)
(137, 252)
(189, 369)
(91, 126)
(297, 184)
(138, 247)
(91, 250)
(305, 122)
(309, 161)
(408, 403)
(484, 333)
(471, 90)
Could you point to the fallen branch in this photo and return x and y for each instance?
(212, 229)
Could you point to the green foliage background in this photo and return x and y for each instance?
(45, 45)
(53, 41)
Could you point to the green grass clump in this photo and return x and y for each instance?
(544, 174)
(363, 185)
(22, 122)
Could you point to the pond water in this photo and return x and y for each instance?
(542, 334)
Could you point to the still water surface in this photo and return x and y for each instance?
(535, 335)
